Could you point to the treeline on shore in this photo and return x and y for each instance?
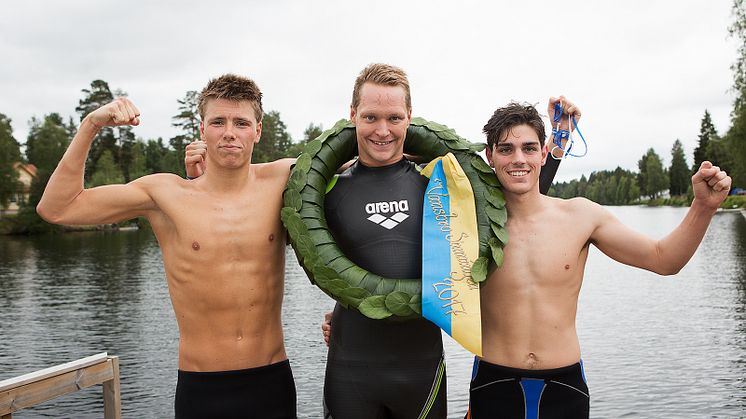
(116, 155)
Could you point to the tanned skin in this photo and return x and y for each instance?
(222, 240)
(529, 304)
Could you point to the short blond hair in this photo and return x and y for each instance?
(234, 88)
(383, 74)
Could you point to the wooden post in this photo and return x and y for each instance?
(37, 387)
(112, 398)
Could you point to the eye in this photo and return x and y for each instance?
(242, 124)
(369, 118)
(217, 122)
(530, 149)
(396, 118)
(504, 150)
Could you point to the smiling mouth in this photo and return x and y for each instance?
(518, 173)
(382, 143)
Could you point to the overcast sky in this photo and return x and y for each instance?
(643, 72)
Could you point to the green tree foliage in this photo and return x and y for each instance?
(10, 153)
(312, 131)
(97, 96)
(138, 167)
(154, 151)
(617, 187)
(656, 179)
(736, 136)
(46, 143)
(107, 172)
(275, 140)
(187, 120)
(707, 132)
(679, 172)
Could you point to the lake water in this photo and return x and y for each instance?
(653, 346)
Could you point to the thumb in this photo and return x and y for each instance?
(705, 165)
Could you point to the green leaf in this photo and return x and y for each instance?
(497, 251)
(312, 147)
(489, 179)
(477, 147)
(354, 295)
(324, 274)
(398, 303)
(495, 197)
(336, 286)
(286, 212)
(303, 163)
(497, 215)
(415, 303)
(374, 307)
(295, 226)
(479, 269)
(479, 164)
(293, 199)
(500, 232)
(297, 180)
(305, 246)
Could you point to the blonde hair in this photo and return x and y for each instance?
(234, 88)
(383, 74)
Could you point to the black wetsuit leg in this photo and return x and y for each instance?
(384, 369)
(262, 393)
(510, 393)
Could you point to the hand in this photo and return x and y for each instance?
(117, 113)
(710, 185)
(568, 109)
(326, 327)
(194, 158)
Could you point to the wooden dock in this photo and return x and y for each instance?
(37, 387)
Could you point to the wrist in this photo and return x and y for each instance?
(88, 123)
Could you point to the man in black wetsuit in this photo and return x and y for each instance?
(378, 368)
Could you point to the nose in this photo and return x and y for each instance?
(228, 132)
(519, 157)
(382, 128)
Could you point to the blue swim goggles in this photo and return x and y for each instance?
(563, 134)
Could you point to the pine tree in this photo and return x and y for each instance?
(10, 153)
(679, 172)
(707, 132)
(107, 172)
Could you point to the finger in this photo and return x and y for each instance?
(717, 177)
(723, 185)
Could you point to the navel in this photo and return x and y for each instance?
(567, 267)
(195, 245)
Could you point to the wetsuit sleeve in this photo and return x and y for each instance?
(547, 174)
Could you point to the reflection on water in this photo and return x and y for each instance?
(652, 346)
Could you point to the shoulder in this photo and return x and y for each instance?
(574, 207)
(157, 180)
(278, 169)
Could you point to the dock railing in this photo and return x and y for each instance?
(37, 387)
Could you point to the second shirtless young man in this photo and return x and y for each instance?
(223, 251)
(531, 355)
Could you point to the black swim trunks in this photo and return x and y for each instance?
(510, 393)
(262, 392)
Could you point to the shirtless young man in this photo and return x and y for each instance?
(531, 355)
(223, 250)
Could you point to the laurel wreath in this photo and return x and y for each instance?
(324, 262)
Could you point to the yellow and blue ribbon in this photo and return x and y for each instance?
(450, 245)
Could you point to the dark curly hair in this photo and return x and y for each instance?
(510, 116)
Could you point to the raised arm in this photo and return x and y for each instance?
(668, 255)
(65, 201)
(549, 170)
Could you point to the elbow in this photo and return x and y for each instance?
(47, 214)
(668, 270)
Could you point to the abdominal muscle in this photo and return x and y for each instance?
(227, 301)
